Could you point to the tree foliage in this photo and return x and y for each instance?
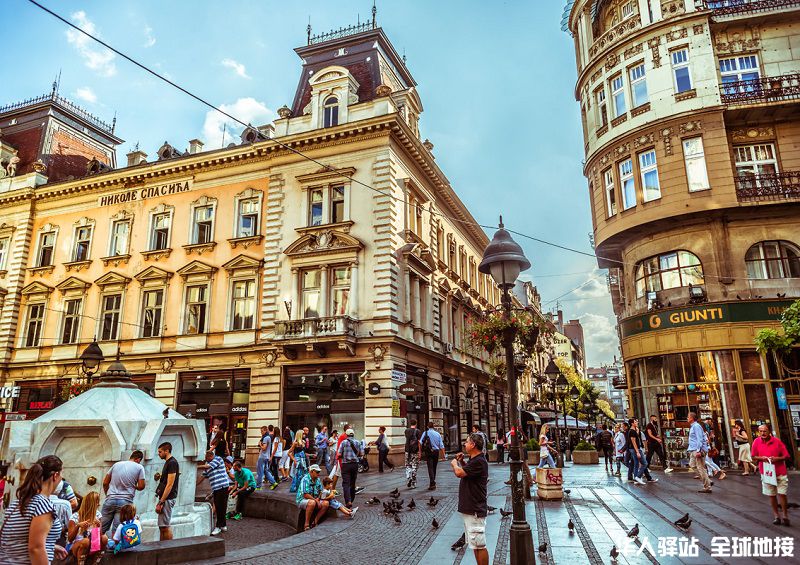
(781, 341)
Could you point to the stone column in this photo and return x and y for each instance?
(324, 295)
(406, 294)
(353, 298)
(416, 311)
(297, 308)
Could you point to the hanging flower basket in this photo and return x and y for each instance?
(73, 388)
(488, 332)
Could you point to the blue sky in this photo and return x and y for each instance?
(496, 80)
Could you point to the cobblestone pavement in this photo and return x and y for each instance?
(602, 508)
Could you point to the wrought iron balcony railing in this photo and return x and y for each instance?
(765, 89)
(619, 382)
(733, 7)
(336, 326)
(769, 186)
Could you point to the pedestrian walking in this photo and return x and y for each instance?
(545, 457)
(120, 485)
(619, 447)
(635, 451)
(333, 443)
(432, 450)
(216, 474)
(477, 430)
(771, 454)
(167, 490)
(285, 462)
(383, 450)
(655, 445)
(500, 443)
(349, 452)
(297, 454)
(264, 460)
(309, 497)
(277, 454)
(244, 487)
(741, 441)
(219, 443)
(605, 441)
(472, 495)
(698, 449)
(31, 527)
(321, 443)
(412, 453)
(336, 471)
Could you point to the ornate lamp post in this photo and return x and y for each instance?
(557, 381)
(503, 259)
(91, 358)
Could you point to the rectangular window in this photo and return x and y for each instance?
(694, 157)
(109, 316)
(120, 236)
(651, 190)
(627, 184)
(440, 249)
(248, 218)
(159, 237)
(311, 289)
(638, 86)
(739, 74)
(753, 160)
(340, 291)
(680, 69)
(243, 304)
(33, 326)
(626, 11)
(152, 310)
(611, 197)
(47, 242)
(83, 237)
(618, 95)
(451, 252)
(602, 107)
(337, 204)
(71, 321)
(203, 229)
(196, 309)
(315, 207)
(4, 245)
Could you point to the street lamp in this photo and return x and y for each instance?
(504, 260)
(91, 358)
(557, 380)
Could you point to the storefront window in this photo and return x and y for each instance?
(757, 406)
(751, 365)
(452, 418)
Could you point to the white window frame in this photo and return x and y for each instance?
(638, 81)
(186, 305)
(232, 301)
(143, 312)
(602, 106)
(40, 324)
(112, 235)
(680, 60)
(753, 163)
(695, 162)
(239, 230)
(330, 111)
(310, 290)
(627, 10)
(626, 174)
(40, 248)
(101, 318)
(331, 200)
(310, 220)
(648, 163)
(87, 240)
(194, 235)
(151, 229)
(732, 68)
(327, 191)
(610, 190)
(77, 315)
(618, 93)
(333, 286)
(5, 247)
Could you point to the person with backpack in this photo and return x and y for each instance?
(348, 453)
(412, 453)
(605, 439)
(431, 450)
(129, 532)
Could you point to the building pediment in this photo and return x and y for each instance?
(419, 256)
(242, 263)
(112, 278)
(444, 285)
(36, 287)
(72, 284)
(324, 242)
(153, 274)
(197, 269)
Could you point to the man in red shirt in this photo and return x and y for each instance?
(768, 448)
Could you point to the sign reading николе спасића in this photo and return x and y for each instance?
(703, 314)
(145, 192)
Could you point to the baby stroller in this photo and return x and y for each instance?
(363, 464)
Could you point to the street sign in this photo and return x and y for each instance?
(374, 388)
(780, 393)
(408, 389)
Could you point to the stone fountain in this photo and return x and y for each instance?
(104, 425)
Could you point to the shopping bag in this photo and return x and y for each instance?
(94, 540)
(768, 476)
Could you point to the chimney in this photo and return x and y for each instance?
(136, 157)
(195, 146)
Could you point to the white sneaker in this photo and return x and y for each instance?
(224, 528)
(668, 470)
(639, 480)
(353, 512)
(215, 531)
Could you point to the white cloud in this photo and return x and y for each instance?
(236, 66)
(86, 94)
(97, 58)
(593, 288)
(248, 110)
(149, 38)
(600, 334)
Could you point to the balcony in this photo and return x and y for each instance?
(619, 382)
(338, 326)
(762, 90)
(773, 187)
(739, 7)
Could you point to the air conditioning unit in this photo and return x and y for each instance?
(498, 408)
(448, 347)
(439, 402)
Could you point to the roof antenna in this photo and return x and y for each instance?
(56, 83)
(223, 134)
(114, 122)
(374, 12)
(404, 55)
(308, 29)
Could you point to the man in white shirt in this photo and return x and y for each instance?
(120, 485)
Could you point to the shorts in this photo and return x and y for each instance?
(303, 503)
(782, 488)
(336, 470)
(165, 517)
(285, 462)
(475, 530)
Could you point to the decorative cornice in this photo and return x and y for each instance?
(156, 254)
(115, 260)
(245, 242)
(199, 248)
(77, 265)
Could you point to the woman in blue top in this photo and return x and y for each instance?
(297, 453)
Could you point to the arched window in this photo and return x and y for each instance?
(330, 112)
(668, 270)
(773, 260)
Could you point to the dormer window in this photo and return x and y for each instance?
(330, 112)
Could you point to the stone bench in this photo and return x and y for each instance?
(279, 508)
(169, 551)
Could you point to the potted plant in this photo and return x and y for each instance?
(585, 454)
(491, 453)
(533, 451)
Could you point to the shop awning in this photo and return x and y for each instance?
(531, 416)
(546, 415)
(572, 423)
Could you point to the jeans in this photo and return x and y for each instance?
(711, 466)
(109, 514)
(220, 497)
(241, 498)
(262, 469)
(349, 475)
(273, 466)
(322, 457)
(639, 465)
(383, 459)
(546, 459)
(607, 454)
(432, 462)
(655, 448)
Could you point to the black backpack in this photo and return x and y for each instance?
(606, 438)
(427, 450)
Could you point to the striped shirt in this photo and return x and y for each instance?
(216, 474)
(14, 539)
(346, 452)
(308, 486)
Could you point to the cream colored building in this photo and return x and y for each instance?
(690, 121)
(252, 286)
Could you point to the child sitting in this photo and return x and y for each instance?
(84, 529)
(330, 495)
(129, 531)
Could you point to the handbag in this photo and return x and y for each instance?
(768, 476)
(94, 540)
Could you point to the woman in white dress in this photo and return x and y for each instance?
(740, 438)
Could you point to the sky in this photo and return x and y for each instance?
(496, 81)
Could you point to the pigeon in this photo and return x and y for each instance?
(634, 531)
(397, 519)
(614, 553)
(571, 526)
(374, 500)
(386, 507)
(435, 524)
(792, 505)
(399, 505)
(491, 509)
(395, 496)
(505, 513)
(682, 519)
(567, 491)
(394, 492)
(412, 504)
(685, 525)
(433, 502)
(543, 548)
(460, 542)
